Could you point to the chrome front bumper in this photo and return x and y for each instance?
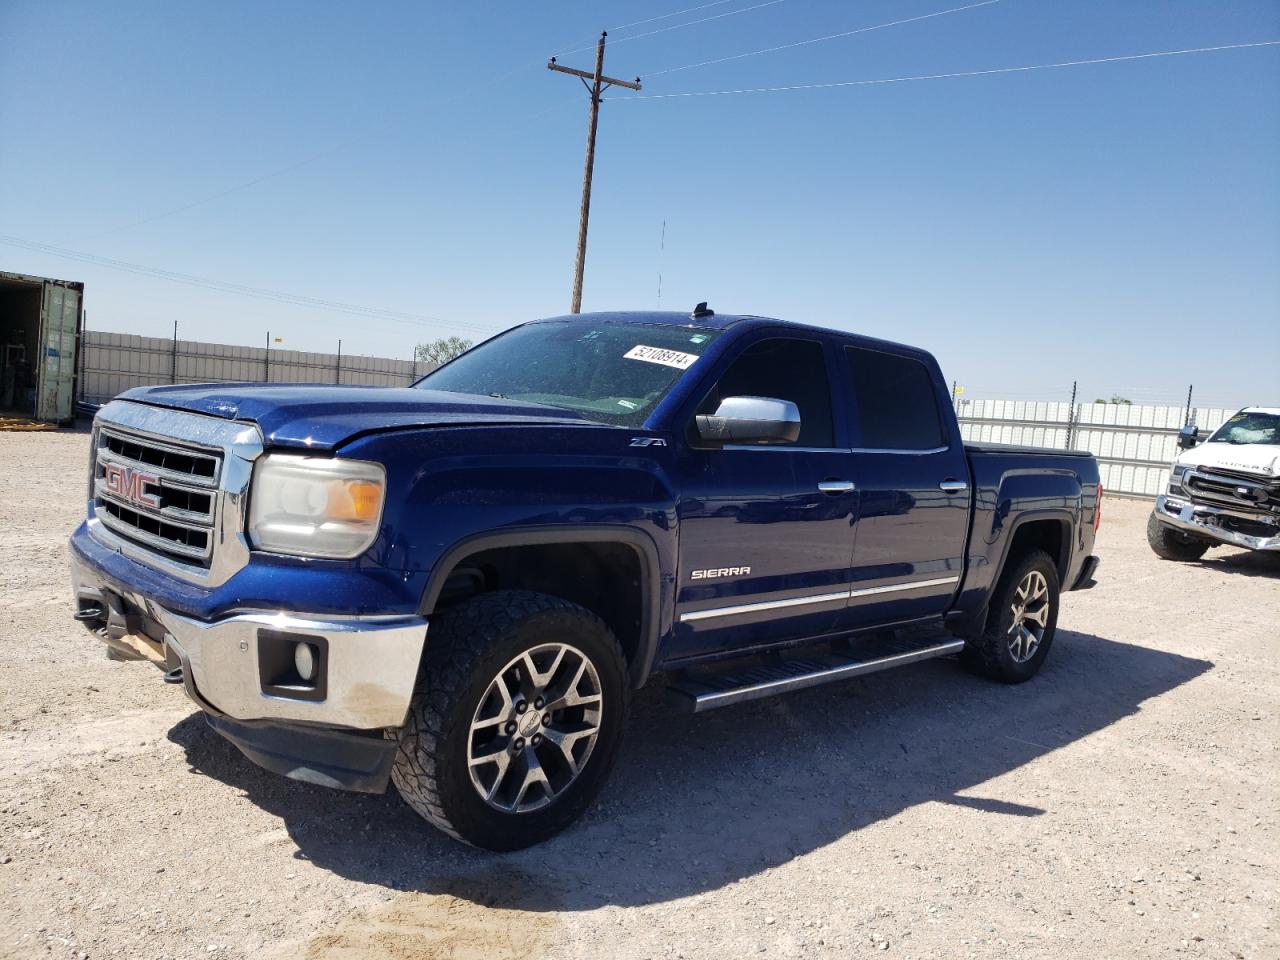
(1203, 521)
(371, 668)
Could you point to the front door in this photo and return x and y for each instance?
(764, 552)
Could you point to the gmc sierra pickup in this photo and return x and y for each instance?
(456, 586)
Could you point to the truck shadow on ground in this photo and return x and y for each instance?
(696, 803)
(1250, 563)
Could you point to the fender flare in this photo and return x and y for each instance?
(1061, 515)
(645, 549)
(976, 621)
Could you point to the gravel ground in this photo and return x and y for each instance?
(1123, 804)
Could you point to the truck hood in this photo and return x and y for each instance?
(321, 417)
(1260, 458)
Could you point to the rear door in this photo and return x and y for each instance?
(913, 485)
(764, 552)
(59, 325)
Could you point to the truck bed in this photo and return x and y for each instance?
(1015, 448)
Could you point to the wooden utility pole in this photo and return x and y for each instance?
(599, 83)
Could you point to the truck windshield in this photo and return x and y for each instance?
(611, 372)
(1249, 428)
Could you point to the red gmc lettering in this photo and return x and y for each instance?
(131, 485)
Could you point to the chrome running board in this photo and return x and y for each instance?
(702, 691)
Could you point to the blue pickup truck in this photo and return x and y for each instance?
(456, 586)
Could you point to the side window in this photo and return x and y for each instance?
(784, 369)
(897, 402)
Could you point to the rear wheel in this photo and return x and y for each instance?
(516, 719)
(1021, 622)
(1169, 543)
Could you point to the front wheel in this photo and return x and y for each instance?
(516, 719)
(1170, 544)
(1021, 622)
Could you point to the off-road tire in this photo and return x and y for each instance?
(1169, 543)
(467, 646)
(988, 653)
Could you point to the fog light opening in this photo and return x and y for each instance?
(304, 661)
(292, 665)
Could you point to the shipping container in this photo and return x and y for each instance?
(40, 325)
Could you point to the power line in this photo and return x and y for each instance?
(689, 23)
(341, 144)
(832, 36)
(259, 293)
(214, 196)
(333, 148)
(667, 16)
(946, 76)
(694, 23)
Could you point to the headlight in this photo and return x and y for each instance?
(315, 507)
(1178, 470)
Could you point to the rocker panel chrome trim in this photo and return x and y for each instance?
(851, 594)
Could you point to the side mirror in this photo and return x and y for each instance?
(1188, 437)
(751, 420)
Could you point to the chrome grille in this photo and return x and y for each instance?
(158, 495)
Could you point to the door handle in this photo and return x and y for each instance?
(953, 486)
(836, 486)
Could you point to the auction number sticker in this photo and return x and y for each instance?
(668, 358)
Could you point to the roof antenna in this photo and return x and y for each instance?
(702, 310)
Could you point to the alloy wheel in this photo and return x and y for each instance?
(1030, 610)
(535, 728)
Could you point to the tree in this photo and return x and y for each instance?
(1115, 398)
(442, 350)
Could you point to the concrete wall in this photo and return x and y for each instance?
(114, 362)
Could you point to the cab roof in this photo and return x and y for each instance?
(725, 321)
(670, 318)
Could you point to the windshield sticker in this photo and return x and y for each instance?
(630, 405)
(668, 358)
(698, 338)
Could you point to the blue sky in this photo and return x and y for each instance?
(1117, 223)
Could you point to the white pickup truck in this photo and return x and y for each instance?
(1225, 490)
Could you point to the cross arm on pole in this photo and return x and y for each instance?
(607, 81)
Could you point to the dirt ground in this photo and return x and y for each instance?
(1124, 804)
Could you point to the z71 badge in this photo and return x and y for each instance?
(720, 572)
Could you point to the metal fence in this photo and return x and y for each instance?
(111, 363)
(1134, 443)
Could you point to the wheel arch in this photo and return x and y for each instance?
(1049, 530)
(638, 636)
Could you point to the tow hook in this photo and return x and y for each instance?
(91, 612)
(173, 676)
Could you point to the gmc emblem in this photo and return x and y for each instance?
(131, 485)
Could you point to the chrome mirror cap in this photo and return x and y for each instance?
(751, 420)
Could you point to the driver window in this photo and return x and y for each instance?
(784, 369)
